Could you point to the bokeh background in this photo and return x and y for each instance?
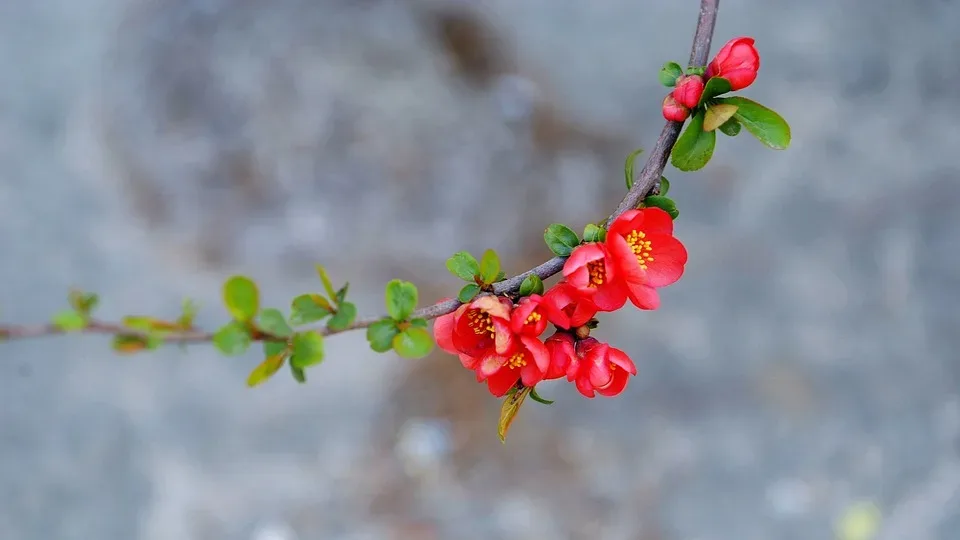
(804, 371)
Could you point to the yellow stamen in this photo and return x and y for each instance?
(641, 248)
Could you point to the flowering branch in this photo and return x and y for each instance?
(495, 323)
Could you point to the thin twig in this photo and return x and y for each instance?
(646, 180)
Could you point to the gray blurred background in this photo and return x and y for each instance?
(805, 369)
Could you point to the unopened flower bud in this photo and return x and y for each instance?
(674, 111)
(688, 90)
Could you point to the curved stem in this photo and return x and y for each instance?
(648, 177)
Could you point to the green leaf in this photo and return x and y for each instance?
(715, 86)
(413, 342)
(232, 339)
(307, 349)
(308, 308)
(669, 73)
(341, 295)
(325, 279)
(271, 348)
(188, 310)
(298, 374)
(717, 115)
(536, 397)
(401, 299)
(274, 323)
(69, 321)
(532, 284)
(628, 167)
(560, 239)
(419, 323)
(766, 125)
(266, 369)
(730, 128)
(343, 318)
(593, 233)
(501, 275)
(489, 266)
(241, 297)
(509, 409)
(695, 146)
(129, 344)
(664, 185)
(468, 292)
(381, 333)
(82, 302)
(463, 265)
(665, 203)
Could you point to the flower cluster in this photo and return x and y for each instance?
(501, 341)
(738, 62)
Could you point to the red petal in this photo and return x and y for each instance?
(628, 221)
(469, 362)
(539, 352)
(493, 306)
(625, 259)
(656, 221)
(584, 387)
(643, 296)
(503, 381)
(621, 360)
(490, 364)
(443, 332)
(610, 297)
(530, 375)
(669, 258)
(503, 336)
(616, 386)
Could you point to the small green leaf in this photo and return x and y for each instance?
(69, 321)
(298, 374)
(695, 146)
(82, 302)
(232, 339)
(343, 318)
(628, 167)
(274, 323)
(536, 397)
(501, 275)
(664, 185)
(766, 125)
(271, 348)
(188, 310)
(715, 86)
(669, 73)
(664, 203)
(381, 333)
(730, 128)
(266, 369)
(325, 279)
(717, 115)
(401, 299)
(532, 284)
(419, 323)
(241, 297)
(463, 265)
(307, 349)
(341, 295)
(593, 233)
(308, 308)
(468, 292)
(413, 342)
(560, 239)
(489, 266)
(509, 409)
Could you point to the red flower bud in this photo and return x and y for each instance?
(674, 111)
(738, 62)
(688, 90)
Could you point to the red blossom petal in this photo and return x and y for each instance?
(469, 362)
(523, 311)
(625, 259)
(443, 331)
(503, 336)
(501, 382)
(538, 351)
(492, 305)
(560, 346)
(616, 386)
(621, 360)
(610, 297)
(583, 386)
(669, 259)
(490, 364)
(643, 296)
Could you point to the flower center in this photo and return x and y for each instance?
(518, 360)
(598, 271)
(481, 323)
(641, 248)
(533, 318)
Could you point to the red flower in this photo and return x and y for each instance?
(673, 110)
(528, 318)
(526, 361)
(688, 90)
(476, 329)
(738, 62)
(566, 307)
(600, 368)
(592, 272)
(646, 253)
(562, 351)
